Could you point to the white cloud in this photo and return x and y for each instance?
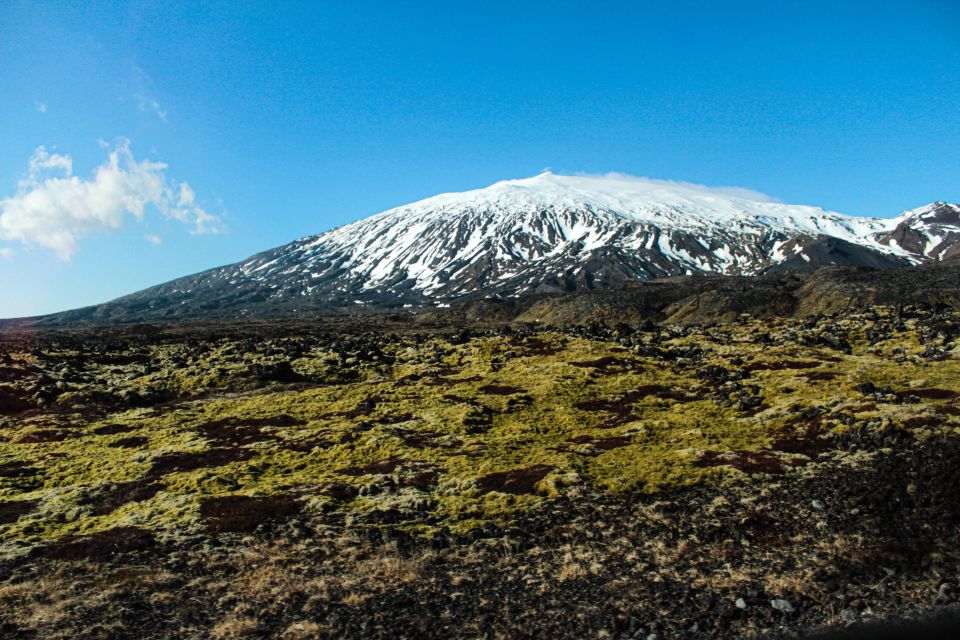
(42, 160)
(55, 211)
(186, 195)
(42, 107)
(6, 253)
(146, 103)
(153, 238)
(736, 192)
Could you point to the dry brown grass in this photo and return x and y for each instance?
(388, 567)
(649, 513)
(234, 627)
(665, 555)
(458, 579)
(729, 577)
(19, 594)
(40, 603)
(578, 562)
(161, 598)
(267, 580)
(354, 599)
(571, 571)
(303, 630)
(791, 582)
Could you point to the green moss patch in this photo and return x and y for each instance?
(432, 433)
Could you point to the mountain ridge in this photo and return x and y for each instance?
(544, 234)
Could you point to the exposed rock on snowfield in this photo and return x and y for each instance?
(548, 233)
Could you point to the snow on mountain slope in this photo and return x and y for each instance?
(551, 233)
(514, 225)
(932, 231)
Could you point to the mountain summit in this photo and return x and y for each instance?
(546, 233)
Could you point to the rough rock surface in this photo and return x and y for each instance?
(384, 477)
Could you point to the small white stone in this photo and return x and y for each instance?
(782, 605)
(741, 603)
(818, 504)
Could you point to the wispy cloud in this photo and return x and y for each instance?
(54, 208)
(42, 107)
(148, 104)
(735, 192)
(144, 91)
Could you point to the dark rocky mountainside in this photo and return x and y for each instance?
(542, 235)
(702, 299)
(692, 299)
(933, 230)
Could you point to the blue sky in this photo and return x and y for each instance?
(240, 127)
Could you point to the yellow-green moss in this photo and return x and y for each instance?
(666, 438)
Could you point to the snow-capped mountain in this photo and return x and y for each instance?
(932, 231)
(552, 233)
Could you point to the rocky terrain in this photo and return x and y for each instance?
(767, 466)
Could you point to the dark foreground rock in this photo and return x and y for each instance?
(759, 478)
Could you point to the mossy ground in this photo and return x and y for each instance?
(601, 481)
(438, 434)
